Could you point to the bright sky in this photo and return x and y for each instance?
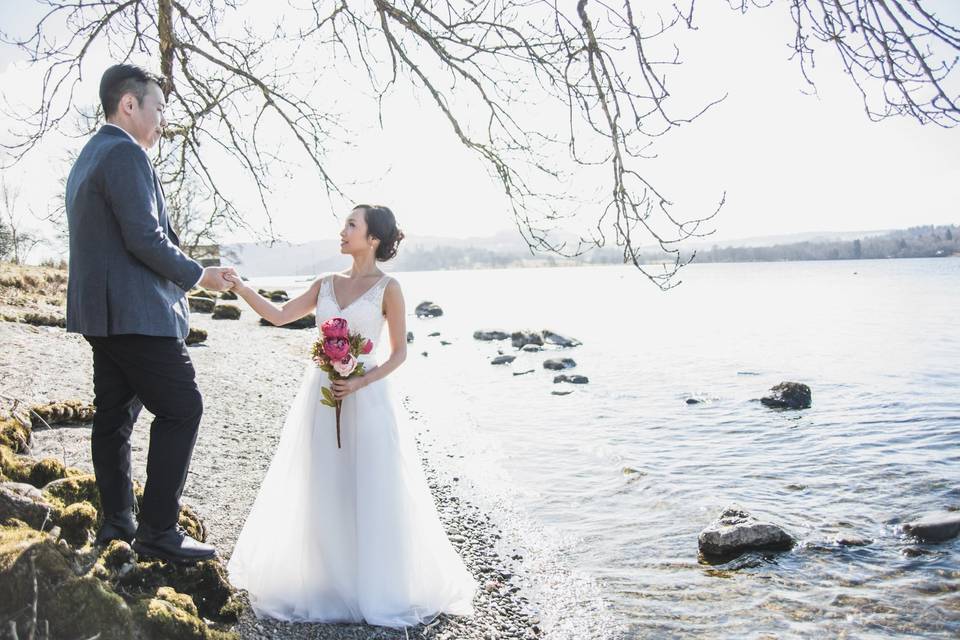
(788, 162)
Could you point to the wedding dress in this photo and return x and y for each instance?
(349, 534)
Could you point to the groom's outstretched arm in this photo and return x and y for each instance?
(130, 193)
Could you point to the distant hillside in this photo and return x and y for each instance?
(508, 249)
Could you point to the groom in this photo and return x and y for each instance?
(126, 295)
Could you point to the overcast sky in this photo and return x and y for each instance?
(788, 162)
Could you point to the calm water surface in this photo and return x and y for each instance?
(605, 490)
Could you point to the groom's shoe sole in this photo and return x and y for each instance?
(148, 552)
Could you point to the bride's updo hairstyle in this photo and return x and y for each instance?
(382, 225)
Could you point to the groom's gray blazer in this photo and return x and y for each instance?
(127, 272)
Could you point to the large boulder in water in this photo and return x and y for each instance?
(559, 364)
(788, 395)
(559, 340)
(427, 309)
(490, 335)
(521, 339)
(735, 532)
(936, 527)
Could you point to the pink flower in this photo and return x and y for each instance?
(345, 366)
(367, 348)
(336, 348)
(334, 328)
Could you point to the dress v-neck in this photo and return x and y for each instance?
(333, 292)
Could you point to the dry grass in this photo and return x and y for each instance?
(34, 292)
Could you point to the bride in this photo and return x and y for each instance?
(349, 534)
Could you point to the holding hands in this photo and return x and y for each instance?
(218, 278)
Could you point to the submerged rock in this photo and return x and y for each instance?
(558, 364)
(559, 340)
(503, 360)
(490, 335)
(788, 395)
(521, 339)
(574, 379)
(531, 348)
(735, 532)
(935, 527)
(427, 309)
(409, 337)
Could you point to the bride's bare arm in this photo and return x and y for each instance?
(290, 311)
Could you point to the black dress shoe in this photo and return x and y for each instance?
(171, 544)
(119, 525)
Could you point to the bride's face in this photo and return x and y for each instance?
(353, 237)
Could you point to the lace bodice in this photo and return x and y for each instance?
(364, 315)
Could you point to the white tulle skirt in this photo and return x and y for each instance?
(350, 534)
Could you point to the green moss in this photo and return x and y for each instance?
(79, 488)
(46, 471)
(77, 522)
(85, 607)
(163, 620)
(13, 466)
(15, 434)
(117, 554)
(179, 600)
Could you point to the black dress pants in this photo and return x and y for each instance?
(131, 372)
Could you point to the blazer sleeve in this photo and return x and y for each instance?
(130, 193)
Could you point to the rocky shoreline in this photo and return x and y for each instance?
(248, 374)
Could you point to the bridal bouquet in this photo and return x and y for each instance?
(336, 352)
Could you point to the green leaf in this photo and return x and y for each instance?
(329, 400)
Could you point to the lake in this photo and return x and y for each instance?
(605, 490)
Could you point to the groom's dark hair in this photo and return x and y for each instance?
(121, 79)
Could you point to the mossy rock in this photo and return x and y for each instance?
(74, 606)
(196, 336)
(13, 466)
(15, 434)
(202, 293)
(278, 295)
(77, 522)
(73, 489)
(228, 295)
(63, 412)
(226, 312)
(163, 620)
(46, 471)
(201, 305)
(44, 319)
(180, 600)
(308, 321)
(206, 582)
(117, 554)
(25, 469)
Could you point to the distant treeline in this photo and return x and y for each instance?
(927, 241)
(917, 242)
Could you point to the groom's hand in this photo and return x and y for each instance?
(214, 279)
